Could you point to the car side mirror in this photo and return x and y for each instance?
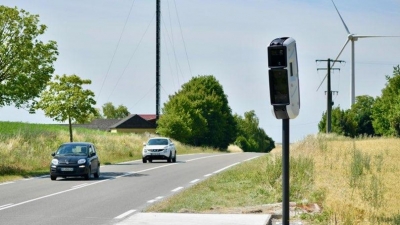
(144, 144)
(53, 154)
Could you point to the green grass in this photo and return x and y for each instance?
(25, 149)
(251, 183)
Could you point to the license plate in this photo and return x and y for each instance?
(155, 153)
(67, 169)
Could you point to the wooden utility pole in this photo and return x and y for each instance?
(329, 92)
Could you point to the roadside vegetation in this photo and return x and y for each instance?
(354, 181)
(25, 149)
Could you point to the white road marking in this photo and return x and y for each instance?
(47, 196)
(2, 206)
(226, 167)
(194, 181)
(156, 199)
(81, 185)
(6, 183)
(28, 179)
(177, 189)
(251, 158)
(125, 214)
(210, 156)
(207, 175)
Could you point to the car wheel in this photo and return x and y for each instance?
(144, 161)
(87, 176)
(174, 159)
(97, 174)
(169, 157)
(53, 177)
(150, 160)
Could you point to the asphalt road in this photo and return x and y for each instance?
(121, 191)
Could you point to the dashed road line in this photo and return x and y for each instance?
(226, 167)
(194, 181)
(177, 189)
(125, 214)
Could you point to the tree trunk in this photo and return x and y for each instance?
(70, 129)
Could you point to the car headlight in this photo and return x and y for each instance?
(81, 161)
(165, 149)
(54, 161)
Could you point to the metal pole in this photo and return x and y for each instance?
(329, 99)
(352, 81)
(158, 17)
(285, 172)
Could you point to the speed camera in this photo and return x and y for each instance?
(284, 78)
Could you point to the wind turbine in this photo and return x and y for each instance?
(352, 37)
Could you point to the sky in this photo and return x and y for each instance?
(113, 43)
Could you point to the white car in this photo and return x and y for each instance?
(159, 148)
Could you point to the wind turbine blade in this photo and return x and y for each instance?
(344, 46)
(371, 36)
(344, 24)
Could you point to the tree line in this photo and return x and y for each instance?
(369, 116)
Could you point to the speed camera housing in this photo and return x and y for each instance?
(284, 78)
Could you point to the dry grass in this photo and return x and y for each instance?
(359, 177)
(25, 149)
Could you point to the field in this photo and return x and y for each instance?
(354, 181)
(25, 149)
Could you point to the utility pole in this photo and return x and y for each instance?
(329, 92)
(158, 18)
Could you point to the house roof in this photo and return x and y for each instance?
(136, 121)
(147, 116)
(102, 124)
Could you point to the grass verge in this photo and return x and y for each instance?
(354, 181)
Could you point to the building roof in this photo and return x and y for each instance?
(136, 121)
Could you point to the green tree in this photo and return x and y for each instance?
(342, 122)
(199, 114)
(361, 111)
(26, 62)
(110, 112)
(250, 137)
(65, 99)
(386, 109)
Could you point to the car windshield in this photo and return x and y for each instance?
(157, 142)
(78, 149)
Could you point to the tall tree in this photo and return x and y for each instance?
(361, 111)
(65, 99)
(199, 114)
(386, 110)
(250, 137)
(110, 112)
(26, 62)
(343, 122)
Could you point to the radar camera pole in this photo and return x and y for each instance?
(285, 100)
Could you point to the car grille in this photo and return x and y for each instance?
(156, 150)
(67, 162)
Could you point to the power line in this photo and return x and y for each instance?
(184, 43)
(115, 51)
(130, 59)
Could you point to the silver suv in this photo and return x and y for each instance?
(159, 148)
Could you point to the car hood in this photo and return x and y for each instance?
(155, 146)
(70, 159)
